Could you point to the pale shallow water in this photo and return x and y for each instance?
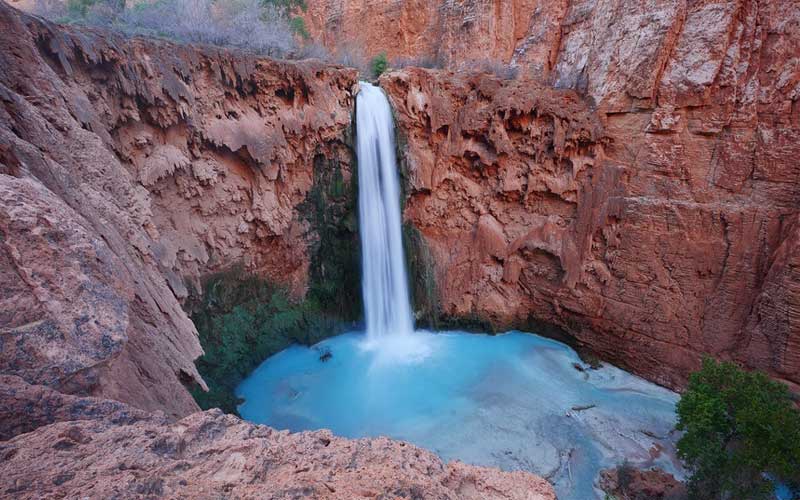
(504, 401)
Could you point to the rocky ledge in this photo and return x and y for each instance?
(213, 455)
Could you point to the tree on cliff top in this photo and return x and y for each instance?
(379, 64)
(742, 433)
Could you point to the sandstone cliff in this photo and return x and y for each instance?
(649, 208)
(128, 170)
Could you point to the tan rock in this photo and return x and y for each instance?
(208, 455)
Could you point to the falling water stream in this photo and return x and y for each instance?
(513, 401)
(384, 282)
(387, 310)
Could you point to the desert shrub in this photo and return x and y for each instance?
(378, 65)
(261, 26)
(312, 50)
(243, 24)
(742, 433)
(298, 26)
(288, 5)
(265, 27)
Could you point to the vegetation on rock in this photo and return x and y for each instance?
(266, 27)
(379, 64)
(330, 209)
(742, 433)
(243, 319)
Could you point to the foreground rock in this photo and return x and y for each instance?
(27, 407)
(129, 169)
(211, 455)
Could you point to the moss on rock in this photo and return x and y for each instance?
(244, 319)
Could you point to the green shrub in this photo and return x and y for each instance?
(742, 431)
(79, 7)
(379, 65)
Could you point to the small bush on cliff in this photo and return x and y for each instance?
(379, 65)
(742, 432)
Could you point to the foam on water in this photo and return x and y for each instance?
(510, 401)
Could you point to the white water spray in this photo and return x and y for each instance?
(390, 324)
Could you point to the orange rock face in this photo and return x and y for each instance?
(447, 31)
(129, 169)
(649, 208)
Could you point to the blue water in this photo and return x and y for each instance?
(505, 401)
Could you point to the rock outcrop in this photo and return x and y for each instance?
(652, 225)
(212, 455)
(637, 484)
(131, 168)
(27, 407)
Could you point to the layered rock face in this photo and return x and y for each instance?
(649, 208)
(128, 170)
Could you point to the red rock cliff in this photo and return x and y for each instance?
(128, 170)
(650, 208)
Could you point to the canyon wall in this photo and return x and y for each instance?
(445, 31)
(130, 169)
(647, 205)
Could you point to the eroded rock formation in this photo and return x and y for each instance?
(650, 212)
(128, 170)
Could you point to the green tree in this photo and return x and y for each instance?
(379, 64)
(742, 432)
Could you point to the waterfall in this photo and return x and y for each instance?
(384, 283)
